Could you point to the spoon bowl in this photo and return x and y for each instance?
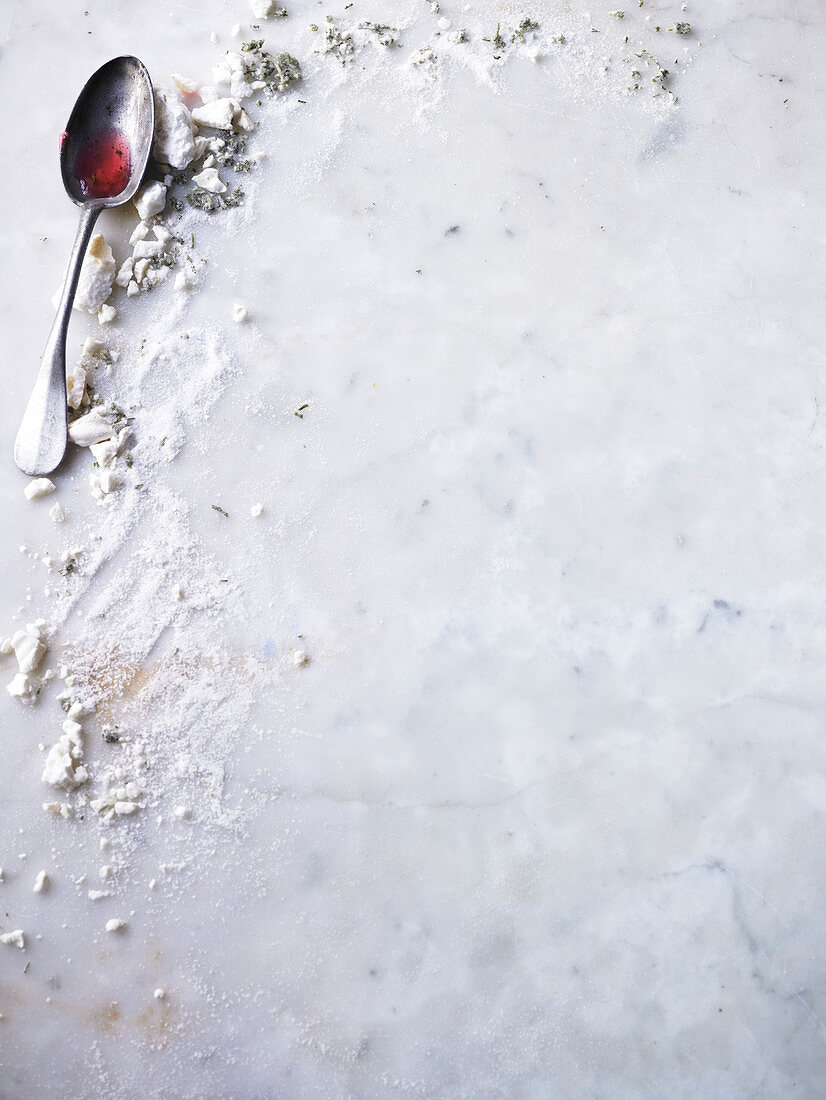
(104, 151)
(115, 111)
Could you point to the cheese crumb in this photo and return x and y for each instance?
(14, 939)
(263, 9)
(159, 994)
(115, 925)
(256, 510)
(218, 114)
(56, 513)
(29, 647)
(210, 181)
(174, 142)
(89, 429)
(239, 314)
(41, 883)
(96, 276)
(40, 487)
(151, 199)
(22, 688)
(184, 84)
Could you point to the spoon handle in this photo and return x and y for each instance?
(41, 439)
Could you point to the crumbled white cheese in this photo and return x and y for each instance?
(73, 730)
(184, 84)
(155, 275)
(182, 812)
(29, 647)
(63, 769)
(159, 994)
(263, 9)
(256, 510)
(89, 429)
(96, 276)
(132, 289)
(239, 314)
(40, 487)
(146, 250)
(14, 939)
(124, 273)
(242, 121)
(59, 809)
(184, 280)
(162, 234)
(105, 871)
(98, 895)
(41, 883)
(141, 268)
(139, 233)
(75, 386)
(151, 199)
(174, 144)
(106, 314)
(106, 452)
(115, 925)
(232, 72)
(209, 180)
(235, 30)
(94, 352)
(218, 114)
(57, 513)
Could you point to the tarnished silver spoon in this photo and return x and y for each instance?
(103, 156)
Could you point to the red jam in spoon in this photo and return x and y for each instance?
(103, 165)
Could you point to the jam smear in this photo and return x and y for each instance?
(103, 165)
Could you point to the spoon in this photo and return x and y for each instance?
(103, 156)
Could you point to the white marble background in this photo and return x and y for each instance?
(545, 815)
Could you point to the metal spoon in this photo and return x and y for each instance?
(115, 111)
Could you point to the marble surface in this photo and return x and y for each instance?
(543, 816)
